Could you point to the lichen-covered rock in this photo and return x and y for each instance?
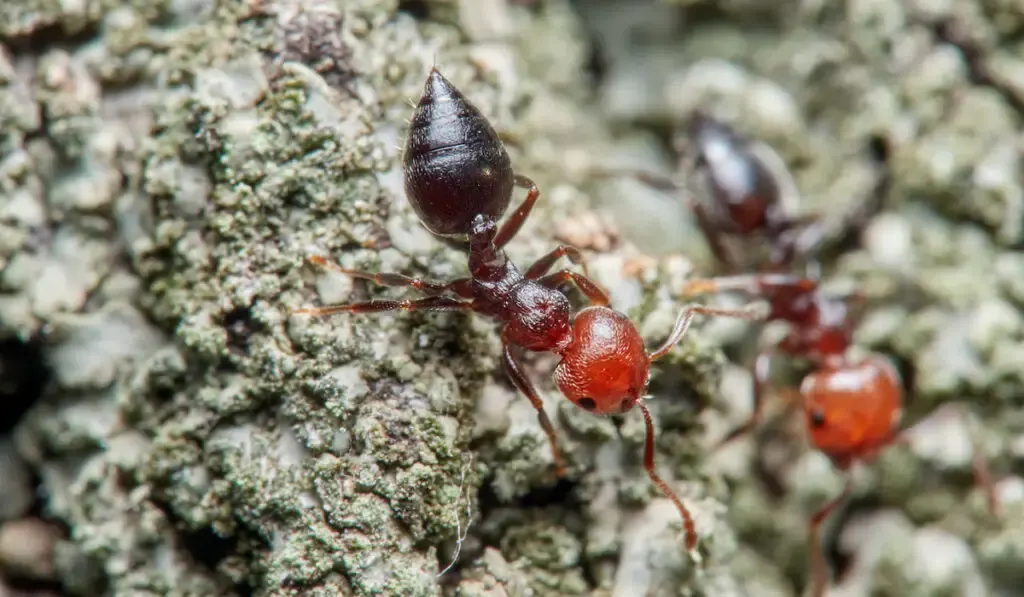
(196, 436)
(165, 168)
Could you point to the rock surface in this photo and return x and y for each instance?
(166, 166)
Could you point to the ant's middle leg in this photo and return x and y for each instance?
(593, 292)
(511, 226)
(713, 235)
(523, 384)
(762, 373)
(654, 180)
(979, 464)
(431, 303)
(462, 287)
(542, 265)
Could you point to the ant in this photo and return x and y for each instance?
(852, 409)
(752, 194)
(459, 180)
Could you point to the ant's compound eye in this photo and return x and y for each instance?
(587, 403)
(817, 417)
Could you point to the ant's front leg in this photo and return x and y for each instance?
(753, 284)
(462, 287)
(592, 291)
(542, 265)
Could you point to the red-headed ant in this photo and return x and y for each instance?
(852, 409)
(459, 180)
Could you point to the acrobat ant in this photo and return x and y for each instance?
(749, 193)
(459, 180)
(852, 409)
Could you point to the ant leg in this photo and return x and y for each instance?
(688, 525)
(755, 311)
(983, 479)
(762, 372)
(784, 236)
(593, 292)
(519, 379)
(664, 183)
(979, 464)
(713, 236)
(542, 265)
(819, 568)
(838, 230)
(654, 180)
(515, 221)
(431, 303)
(461, 287)
(756, 284)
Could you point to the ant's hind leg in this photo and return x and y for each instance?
(983, 478)
(654, 180)
(511, 226)
(819, 568)
(543, 265)
(523, 384)
(762, 372)
(814, 234)
(592, 291)
(432, 303)
(461, 287)
(713, 235)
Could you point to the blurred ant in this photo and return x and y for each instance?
(459, 180)
(852, 409)
(752, 194)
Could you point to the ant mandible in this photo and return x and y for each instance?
(752, 194)
(852, 409)
(459, 180)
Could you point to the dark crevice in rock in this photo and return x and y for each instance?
(30, 586)
(240, 327)
(23, 377)
(209, 549)
(418, 9)
(50, 37)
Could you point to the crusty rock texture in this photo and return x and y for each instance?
(169, 427)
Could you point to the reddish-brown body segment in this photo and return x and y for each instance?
(853, 410)
(459, 180)
(605, 370)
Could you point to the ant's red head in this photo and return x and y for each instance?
(852, 409)
(605, 369)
